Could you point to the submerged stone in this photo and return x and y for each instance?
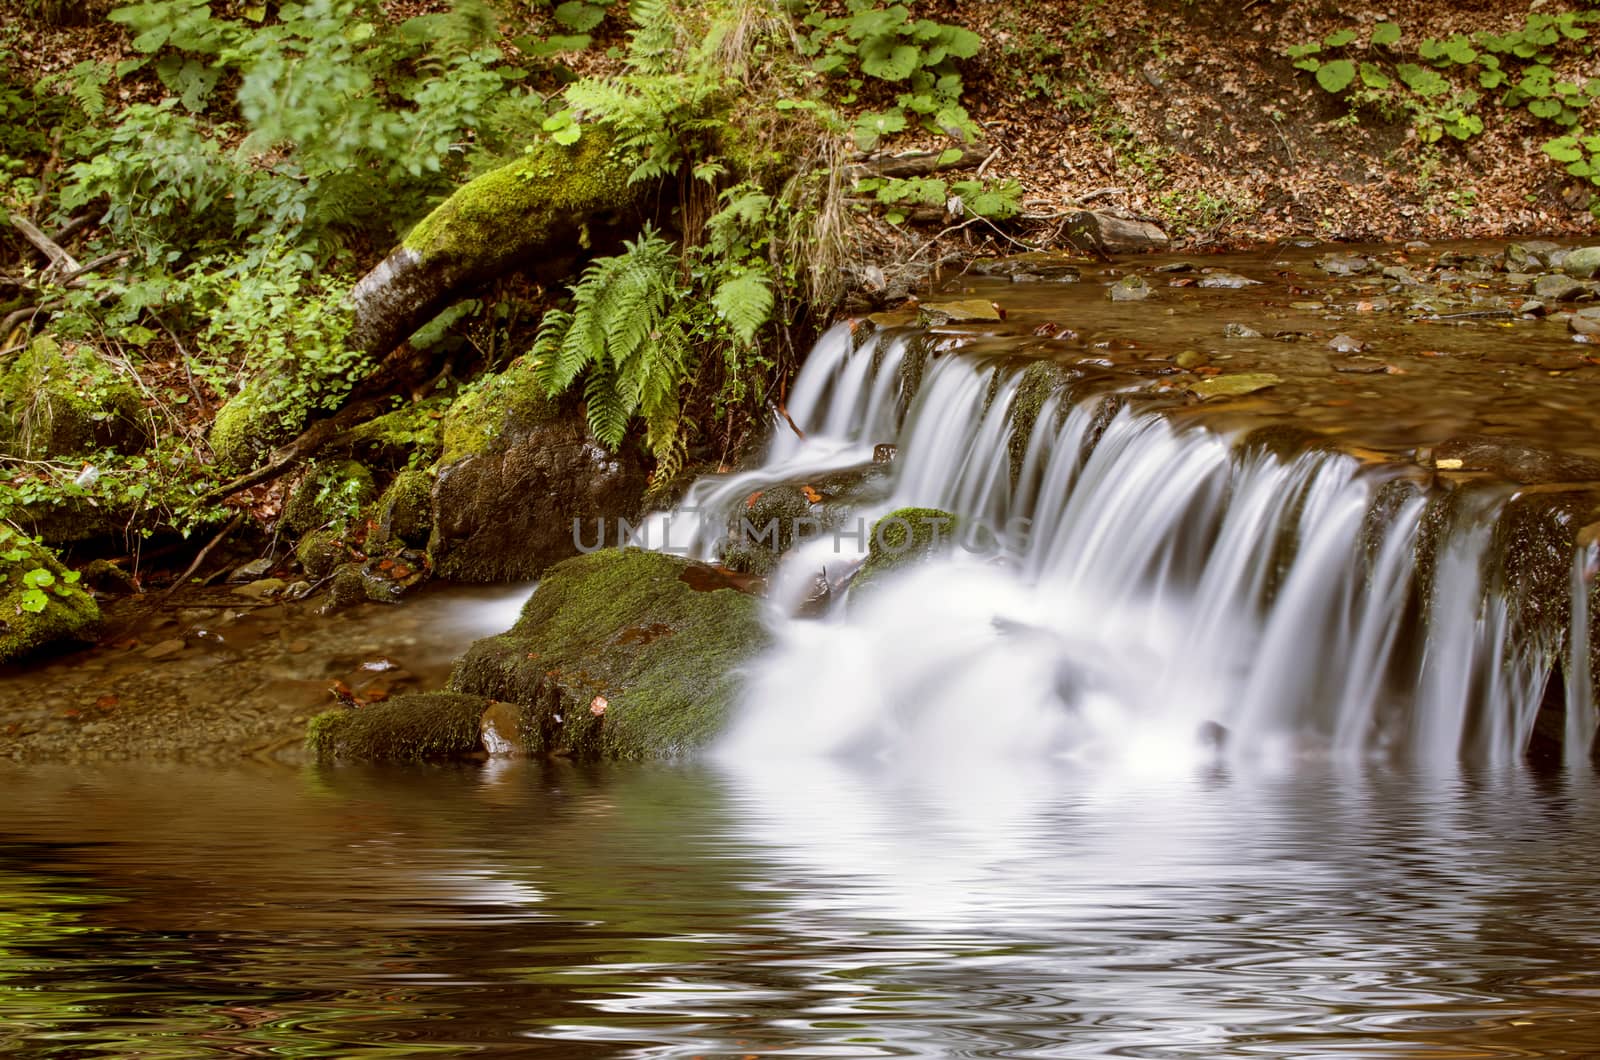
(1343, 264)
(621, 653)
(1556, 288)
(965, 311)
(1235, 385)
(1130, 289)
(1582, 263)
(903, 538)
(405, 728)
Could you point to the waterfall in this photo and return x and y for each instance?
(1147, 589)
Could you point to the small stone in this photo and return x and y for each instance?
(966, 311)
(1343, 264)
(1235, 385)
(1129, 289)
(1557, 288)
(1585, 321)
(500, 729)
(255, 570)
(1534, 308)
(165, 649)
(1176, 266)
(1582, 263)
(1346, 344)
(262, 589)
(1529, 255)
(1240, 331)
(1225, 280)
(1193, 359)
(297, 647)
(1399, 274)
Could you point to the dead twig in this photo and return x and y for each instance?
(233, 524)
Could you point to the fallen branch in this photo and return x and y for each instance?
(233, 524)
(60, 260)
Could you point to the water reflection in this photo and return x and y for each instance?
(817, 909)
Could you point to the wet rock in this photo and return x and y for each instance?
(519, 479)
(104, 576)
(165, 649)
(1224, 280)
(1585, 321)
(1310, 307)
(1130, 289)
(1235, 385)
(1513, 461)
(500, 730)
(41, 610)
(1176, 266)
(1531, 255)
(965, 311)
(904, 538)
(1037, 265)
(1343, 264)
(1582, 263)
(884, 453)
(631, 633)
(1556, 288)
(298, 590)
(407, 728)
(405, 511)
(1112, 233)
(1466, 262)
(1188, 359)
(1533, 308)
(261, 589)
(770, 523)
(1346, 344)
(320, 551)
(1240, 331)
(255, 570)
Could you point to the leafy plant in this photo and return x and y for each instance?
(1515, 68)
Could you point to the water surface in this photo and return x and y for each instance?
(1012, 909)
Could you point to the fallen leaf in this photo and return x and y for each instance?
(597, 706)
(811, 495)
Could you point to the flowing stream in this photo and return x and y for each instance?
(1199, 739)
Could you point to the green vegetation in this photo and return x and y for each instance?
(1441, 85)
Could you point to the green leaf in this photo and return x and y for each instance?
(950, 157)
(1373, 77)
(1385, 33)
(578, 16)
(888, 61)
(745, 302)
(34, 601)
(1340, 38)
(568, 136)
(1337, 75)
(38, 578)
(1544, 108)
(1563, 149)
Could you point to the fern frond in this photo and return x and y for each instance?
(745, 302)
(607, 413)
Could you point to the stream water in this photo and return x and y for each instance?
(1190, 755)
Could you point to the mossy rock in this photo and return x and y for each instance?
(414, 432)
(320, 551)
(769, 524)
(1041, 381)
(527, 203)
(247, 427)
(621, 653)
(508, 403)
(60, 401)
(409, 728)
(405, 511)
(69, 617)
(331, 495)
(904, 538)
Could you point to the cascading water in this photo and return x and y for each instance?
(1145, 591)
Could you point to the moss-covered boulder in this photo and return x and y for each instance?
(248, 426)
(58, 401)
(331, 495)
(521, 482)
(413, 432)
(903, 538)
(41, 609)
(621, 653)
(409, 728)
(405, 511)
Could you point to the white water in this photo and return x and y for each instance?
(1152, 584)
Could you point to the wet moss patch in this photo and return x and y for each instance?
(618, 656)
(410, 728)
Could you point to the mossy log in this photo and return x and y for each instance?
(549, 204)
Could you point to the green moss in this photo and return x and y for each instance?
(523, 204)
(405, 511)
(320, 551)
(246, 428)
(58, 402)
(903, 538)
(392, 438)
(1284, 441)
(1040, 381)
(761, 531)
(409, 728)
(656, 638)
(485, 411)
(331, 494)
(70, 616)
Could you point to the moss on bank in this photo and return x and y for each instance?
(491, 408)
(409, 728)
(621, 654)
(68, 617)
(63, 401)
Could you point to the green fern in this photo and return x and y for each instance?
(628, 331)
(744, 301)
